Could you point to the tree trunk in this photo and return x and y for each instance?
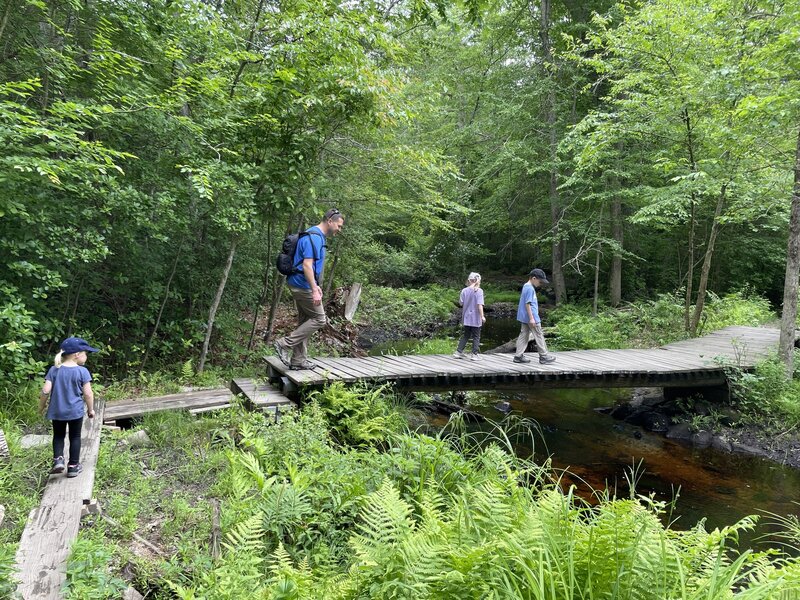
(273, 308)
(789, 313)
(279, 285)
(692, 223)
(596, 281)
(161, 308)
(268, 269)
(331, 273)
(703, 284)
(615, 277)
(559, 286)
(212, 313)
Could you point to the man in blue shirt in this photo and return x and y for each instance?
(528, 316)
(309, 260)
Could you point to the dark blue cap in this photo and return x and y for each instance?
(71, 345)
(539, 274)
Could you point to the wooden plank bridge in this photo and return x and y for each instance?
(689, 363)
(51, 528)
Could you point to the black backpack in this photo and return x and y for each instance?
(285, 261)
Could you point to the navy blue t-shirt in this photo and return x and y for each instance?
(66, 397)
(305, 250)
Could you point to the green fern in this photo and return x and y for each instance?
(187, 371)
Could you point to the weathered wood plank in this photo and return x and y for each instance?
(198, 399)
(259, 395)
(53, 526)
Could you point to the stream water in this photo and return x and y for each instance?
(596, 452)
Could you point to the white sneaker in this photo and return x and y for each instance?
(458, 354)
(474, 357)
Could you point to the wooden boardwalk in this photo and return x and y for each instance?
(257, 396)
(688, 363)
(53, 526)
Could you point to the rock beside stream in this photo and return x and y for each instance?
(649, 410)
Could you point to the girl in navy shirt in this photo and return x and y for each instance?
(68, 385)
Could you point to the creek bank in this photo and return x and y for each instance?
(702, 423)
(369, 336)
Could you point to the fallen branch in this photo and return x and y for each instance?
(135, 536)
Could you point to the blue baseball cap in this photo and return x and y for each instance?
(71, 345)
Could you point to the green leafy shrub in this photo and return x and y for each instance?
(738, 308)
(765, 394)
(18, 330)
(8, 584)
(358, 415)
(405, 310)
(89, 571)
(651, 323)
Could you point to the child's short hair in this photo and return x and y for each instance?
(474, 276)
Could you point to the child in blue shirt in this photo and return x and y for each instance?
(68, 385)
(530, 322)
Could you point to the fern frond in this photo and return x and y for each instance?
(246, 537)
(385, 522)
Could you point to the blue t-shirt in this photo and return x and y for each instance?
(304, 250)
(528, 296)
(66, 396)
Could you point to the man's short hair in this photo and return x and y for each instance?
(333, 213)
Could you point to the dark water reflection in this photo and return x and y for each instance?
(597, 452)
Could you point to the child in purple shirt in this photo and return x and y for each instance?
(471, 316)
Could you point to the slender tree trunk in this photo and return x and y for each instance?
(712, 240)
(617, 232)
(331, 272)
(212, 313)
(4, 21)
(692, 223)
(75, 307)
(268, 269)
(250, 37)
(279, 285)
(559, 286)
(161, 308)
(596, 281)
(273, 309)
(789, 313)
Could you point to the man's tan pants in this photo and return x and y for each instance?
(310, 318)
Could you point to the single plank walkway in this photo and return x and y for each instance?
(53, 526)
(694, 362)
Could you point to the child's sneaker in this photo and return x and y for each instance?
(458, 354)
(74, 470)
(474, 357)
(58, 465)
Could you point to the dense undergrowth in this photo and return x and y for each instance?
(341, 501)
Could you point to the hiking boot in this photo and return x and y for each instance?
(58, 465)
(282, 352)
(474, 357)
(458, 354)
(306, 364)
(521, 359)
(74, 470)
(546, 360)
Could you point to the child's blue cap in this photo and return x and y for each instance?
(71, 345)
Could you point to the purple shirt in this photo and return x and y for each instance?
(470, 299)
